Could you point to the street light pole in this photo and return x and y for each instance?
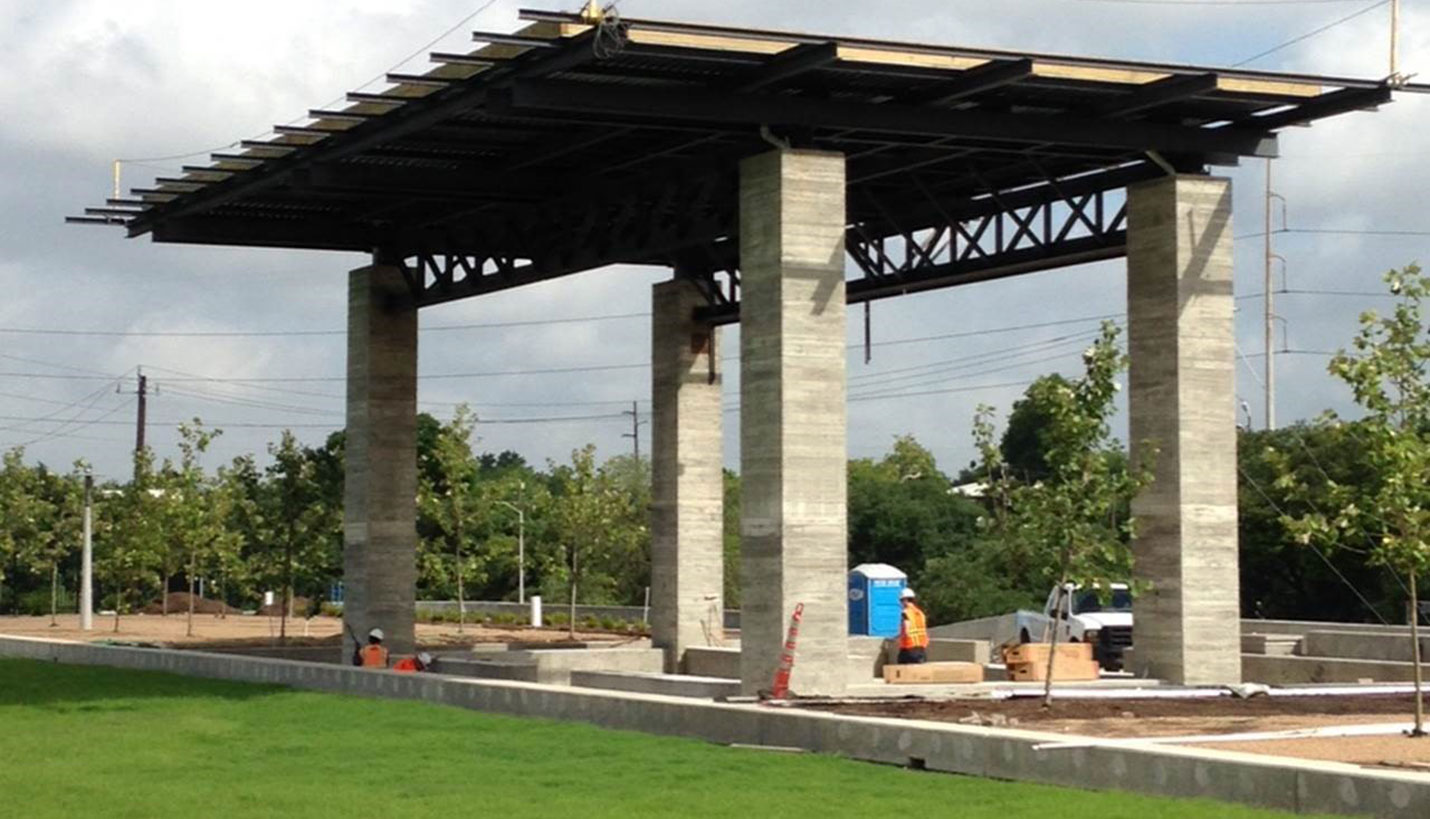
(520, 550)
(86, 583)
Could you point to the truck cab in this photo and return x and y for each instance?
(1089, 615)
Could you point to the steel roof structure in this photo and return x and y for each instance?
(579, 143)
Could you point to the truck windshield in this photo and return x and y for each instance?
(1087, 601)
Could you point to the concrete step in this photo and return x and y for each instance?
(671, 685)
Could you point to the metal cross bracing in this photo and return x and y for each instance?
(893, 249)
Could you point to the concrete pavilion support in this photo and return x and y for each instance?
(379, 495)
(687, 502)
(1182, 344)
(793, 450)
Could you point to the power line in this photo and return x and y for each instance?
(1221, 2)
(496, 325)
(1319, 553)
(1308, 35)
(1334, 232)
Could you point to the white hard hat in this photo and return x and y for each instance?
(376, 634)
(424, 658)
(907, 594)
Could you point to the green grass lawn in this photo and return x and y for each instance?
(79, 741)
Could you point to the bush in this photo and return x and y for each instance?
(331, 609)
(37, 602)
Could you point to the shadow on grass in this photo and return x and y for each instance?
(37, 683)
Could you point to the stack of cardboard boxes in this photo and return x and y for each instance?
(1028, 662)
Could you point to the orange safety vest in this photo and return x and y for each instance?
(407, 666)
(914, 633)
(373, 656)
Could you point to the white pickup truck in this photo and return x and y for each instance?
(1084, 617)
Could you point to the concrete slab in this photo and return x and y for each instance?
(1356, 645)
(1286, 784)
(672, 685)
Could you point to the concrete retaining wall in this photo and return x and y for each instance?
(1274, 670)
(713, 662)
(552, 666)
(1291, 785)
(1353, 645)
(631, 614)
(1303, 626)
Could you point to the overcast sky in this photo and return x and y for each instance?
(93, 81)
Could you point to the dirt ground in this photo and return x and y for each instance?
(236, 629)
(1168, 718)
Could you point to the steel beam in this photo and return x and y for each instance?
(782, 110)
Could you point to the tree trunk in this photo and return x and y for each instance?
(1419, 730)
(118, 604)
(164, 594)
(189, 627)
(287, 589)
(461, 591)
(571, 627)
(54, 592)
(223, 592)
(1053, 643)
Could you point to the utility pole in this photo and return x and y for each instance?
(1270, 314)
(1394, 42)
(139, 416)
(86, 583)
(635, 433)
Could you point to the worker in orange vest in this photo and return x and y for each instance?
(913, 631)
(412, 665)
(374, 654)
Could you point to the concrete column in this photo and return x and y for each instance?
(1182, 401)
(793, 452)
(687, 491)
(380, 489)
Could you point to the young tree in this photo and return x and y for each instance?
(598, 525)
(195, 521)
(1390, 510)
(299, 520)
(62, 501)
(1070, 519)
(133, 534)
(449, 499)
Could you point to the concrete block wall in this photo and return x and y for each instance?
(1291, 785)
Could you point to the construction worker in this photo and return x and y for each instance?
(374, 654)
(412, 665)
(913, 631)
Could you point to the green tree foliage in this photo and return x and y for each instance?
(1069, 520)
(453, 509)
(1292, 471)
(598, 522)
(129, 551)
(296, 543)
(1388, 512)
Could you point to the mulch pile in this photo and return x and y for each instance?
(301, 607)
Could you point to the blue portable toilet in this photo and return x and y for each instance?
(874, 607)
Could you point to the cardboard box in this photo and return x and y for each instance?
(1064, 670)
(1038, 652)
(934, 673)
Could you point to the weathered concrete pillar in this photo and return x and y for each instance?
(380, 489)
(1182, 401)
(793, 451)
(687, 491)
